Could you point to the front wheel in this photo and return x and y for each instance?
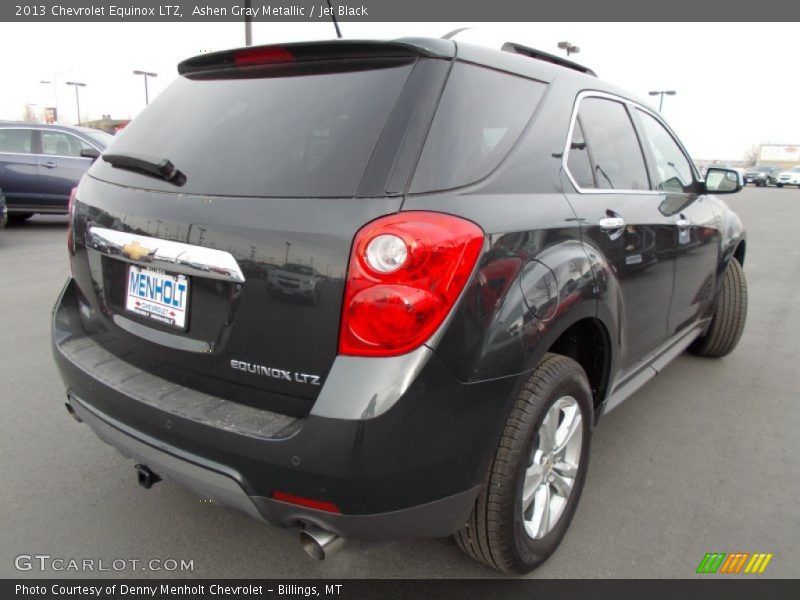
(730, 313)
(535, 480)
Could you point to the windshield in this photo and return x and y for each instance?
(762, 169)
(301, 269)
(101, 138)
(306, 134)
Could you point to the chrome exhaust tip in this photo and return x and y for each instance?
(72, 412)
(320, 543)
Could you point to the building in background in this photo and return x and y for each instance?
(785, 156)
(107, 124)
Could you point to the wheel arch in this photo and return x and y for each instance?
(587, 342)
(740, 251)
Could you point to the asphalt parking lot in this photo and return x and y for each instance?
(703, 459)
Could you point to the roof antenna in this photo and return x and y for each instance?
(333, 18)
(454, 33)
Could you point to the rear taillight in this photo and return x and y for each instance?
(71, 218)
(265, 55)
(406, 273)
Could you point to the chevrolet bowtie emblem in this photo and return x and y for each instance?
(135, 251)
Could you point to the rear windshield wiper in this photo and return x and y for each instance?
(146, 164)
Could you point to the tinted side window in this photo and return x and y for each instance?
(481, 114)
(672, 169)
(578, 162)
(59, 143)
(17, 141)
(617, 158)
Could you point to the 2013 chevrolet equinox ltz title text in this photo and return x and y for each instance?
(478, 253)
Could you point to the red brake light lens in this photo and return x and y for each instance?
(406, 273)
(265, 55)
(71, 216)
(307, 502)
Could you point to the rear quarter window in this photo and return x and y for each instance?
(480, 116)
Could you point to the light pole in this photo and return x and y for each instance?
(248, 23)
(146, 74)
(76, 85)
(55, 95)
(662, 94)
(569, 48)
(288, 245)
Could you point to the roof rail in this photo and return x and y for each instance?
(545, 56)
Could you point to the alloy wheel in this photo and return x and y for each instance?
(553, 467)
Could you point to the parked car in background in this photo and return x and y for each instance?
(3, 210)
(294, 280)
(789, 177)
(40, 164)
(762, 175)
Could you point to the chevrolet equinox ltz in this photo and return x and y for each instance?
(500, 248)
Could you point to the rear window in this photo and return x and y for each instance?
(302, 135)
(480, 116)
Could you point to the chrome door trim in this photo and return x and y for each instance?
(629, 105)
(176, 257)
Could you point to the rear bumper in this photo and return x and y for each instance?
(222, 485)
(413, 471)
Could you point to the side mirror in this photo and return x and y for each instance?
(92, 153)
(722, 181)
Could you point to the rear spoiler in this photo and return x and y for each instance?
(311, 51)
(546, 57)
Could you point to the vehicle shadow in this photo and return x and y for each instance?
(40, 223)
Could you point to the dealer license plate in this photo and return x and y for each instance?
(158, 296)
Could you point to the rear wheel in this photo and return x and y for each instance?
(535, 480)
(730, 313)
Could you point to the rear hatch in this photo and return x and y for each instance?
(212, 246)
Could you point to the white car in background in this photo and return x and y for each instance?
(789, 177)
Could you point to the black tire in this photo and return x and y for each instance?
(730, 313)
(495, 533)
(17, 218)
(780, 185)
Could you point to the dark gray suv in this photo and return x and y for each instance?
(501, 248)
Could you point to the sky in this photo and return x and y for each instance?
(735, 82)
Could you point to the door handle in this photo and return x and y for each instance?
(613, 226)
(612, 223)
(49, 164)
